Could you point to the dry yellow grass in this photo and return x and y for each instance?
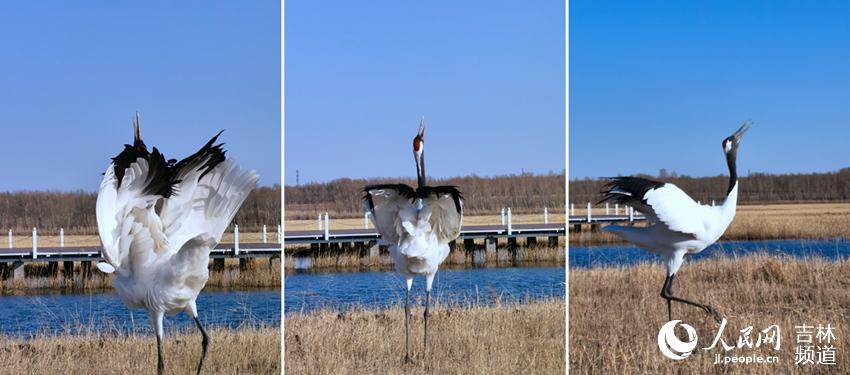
(261, 273)
(763, 222)
(247, 350)
(616, 313)
(357, 223)
(517, 339)
(24, 240)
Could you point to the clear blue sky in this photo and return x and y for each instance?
(73, 74)
(659, 84)
(488, 76)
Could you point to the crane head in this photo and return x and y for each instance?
(730, 144)
(419, 140)
(418, 152)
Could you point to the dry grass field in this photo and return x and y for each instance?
(615, 313)
(515, 339)
(261, 273)
(248, 350)
(763, 222)
(357, 223)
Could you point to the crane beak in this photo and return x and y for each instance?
(137, 131)
(421, 133)
(739, 134)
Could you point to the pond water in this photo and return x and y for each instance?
(25, 316)
(625, 255)
(339, 291)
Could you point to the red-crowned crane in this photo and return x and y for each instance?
(418, 226)
(160, 258)
(681, 226)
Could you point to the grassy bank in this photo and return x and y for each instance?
(259, 274)
(248, 350)
(532, 255)
(615, 313)
(514, 339)
(763, 222)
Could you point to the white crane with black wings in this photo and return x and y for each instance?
(418, 226)
(160, 258)
(681, 226)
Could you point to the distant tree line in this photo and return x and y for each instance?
(754, 188)
(75, 211)
(525, 193)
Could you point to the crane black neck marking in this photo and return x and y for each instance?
(420, 170)
(733, 171)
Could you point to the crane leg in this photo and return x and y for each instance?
(192, 310)
(665, 290)
(667, 293)
(205, 342)
(156, 320)
(425, 343)
(407, 321)
(429, 280)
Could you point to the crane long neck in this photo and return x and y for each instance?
(420, 169)
(733, 171)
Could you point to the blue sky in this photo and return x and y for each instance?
(73, 74)
(488, 76)
(659, 84)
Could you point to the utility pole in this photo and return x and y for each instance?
(297, 178)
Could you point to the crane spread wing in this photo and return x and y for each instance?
(200, 195)
(208, 191)
(446, 206)
(131, 187)
(384, 203)
(661, 202)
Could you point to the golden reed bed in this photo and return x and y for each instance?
(247, 350)
(516, 339)
(260, 274)
(615, 313)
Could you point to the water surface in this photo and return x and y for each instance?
(626, 255)
(483, 286)
(25, 316)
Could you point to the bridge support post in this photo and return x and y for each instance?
(452, 246)
(218, 264)
(244, 263)
(469, 244)
(512, 248)
(18, 270)
(553, 241)
(68, 269)
(576, 228)
(346, 247)
(594, 228)
(52, 269)
(85, 269)
(374, 249)
(490, 247)
(530, 241)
